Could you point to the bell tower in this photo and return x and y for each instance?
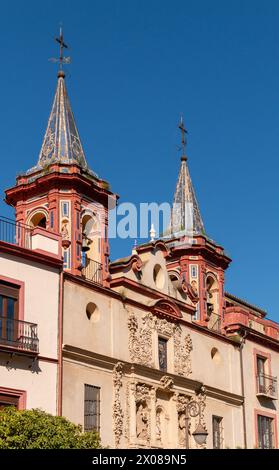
(197, 259)
(63, 195)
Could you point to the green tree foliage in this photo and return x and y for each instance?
(35, 429)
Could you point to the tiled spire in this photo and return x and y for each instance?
(61, 142)
(186, 217)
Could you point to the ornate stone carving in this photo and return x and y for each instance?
(142, 393)
(140, 342)
(181, 402)
(164, 327)
(166, 382)
(117, 412)
(158, 424)
(142, 398)
(201, 399)
(182, 350)
(142, 422)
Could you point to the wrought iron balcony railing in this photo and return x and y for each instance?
(267, 386)
(15, 233)
(19, 335)
(92, 271)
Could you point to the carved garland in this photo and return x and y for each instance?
(117, 412)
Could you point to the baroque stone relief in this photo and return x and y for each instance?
(142, 398)
(117, 411)
(141, 342)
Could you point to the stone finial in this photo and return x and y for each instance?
(152, 233)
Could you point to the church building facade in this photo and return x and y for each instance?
(149, 350)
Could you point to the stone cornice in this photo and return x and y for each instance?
(142, 373)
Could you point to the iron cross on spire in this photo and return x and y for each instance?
(62, 60)
(183, 137)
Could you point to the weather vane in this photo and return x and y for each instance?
(183, 136)
(62, 60)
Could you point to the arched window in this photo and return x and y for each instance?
(91, 235)
(212, 298)
(38, 219)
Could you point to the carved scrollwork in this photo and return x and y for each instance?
(140, 342)
(182, 350)
(201, 399)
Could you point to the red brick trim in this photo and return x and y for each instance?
(20, 394)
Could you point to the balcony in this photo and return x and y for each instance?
(17, 335)
(266, 386)
(92, 271)
(15, 233)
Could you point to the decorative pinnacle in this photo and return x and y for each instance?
(134, 249)
(152, 233)
(183, 139)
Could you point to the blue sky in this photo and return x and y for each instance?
(136, 65)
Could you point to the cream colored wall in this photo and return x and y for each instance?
(253, 403)
(41, 293)
(42, 242)
(223, 371)
(107, 334)
(75, 376)
(104, 332)
(111, 323)
(232, 423)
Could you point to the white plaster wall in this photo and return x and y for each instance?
(41, 298)
(40, 384)
(41, 307)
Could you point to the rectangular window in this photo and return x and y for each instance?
(8, 312)
(194, 271)
(91, 408)
(8, 400)
(65, 209)
(197, 312)
(217, 432)
(265, 432)
(163, 354)
(261, 366)
(78, 217)
(51, 219)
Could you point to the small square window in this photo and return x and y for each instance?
(163, 354)
(217, 425)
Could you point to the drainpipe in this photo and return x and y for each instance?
(243, 389)
(60, 337)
